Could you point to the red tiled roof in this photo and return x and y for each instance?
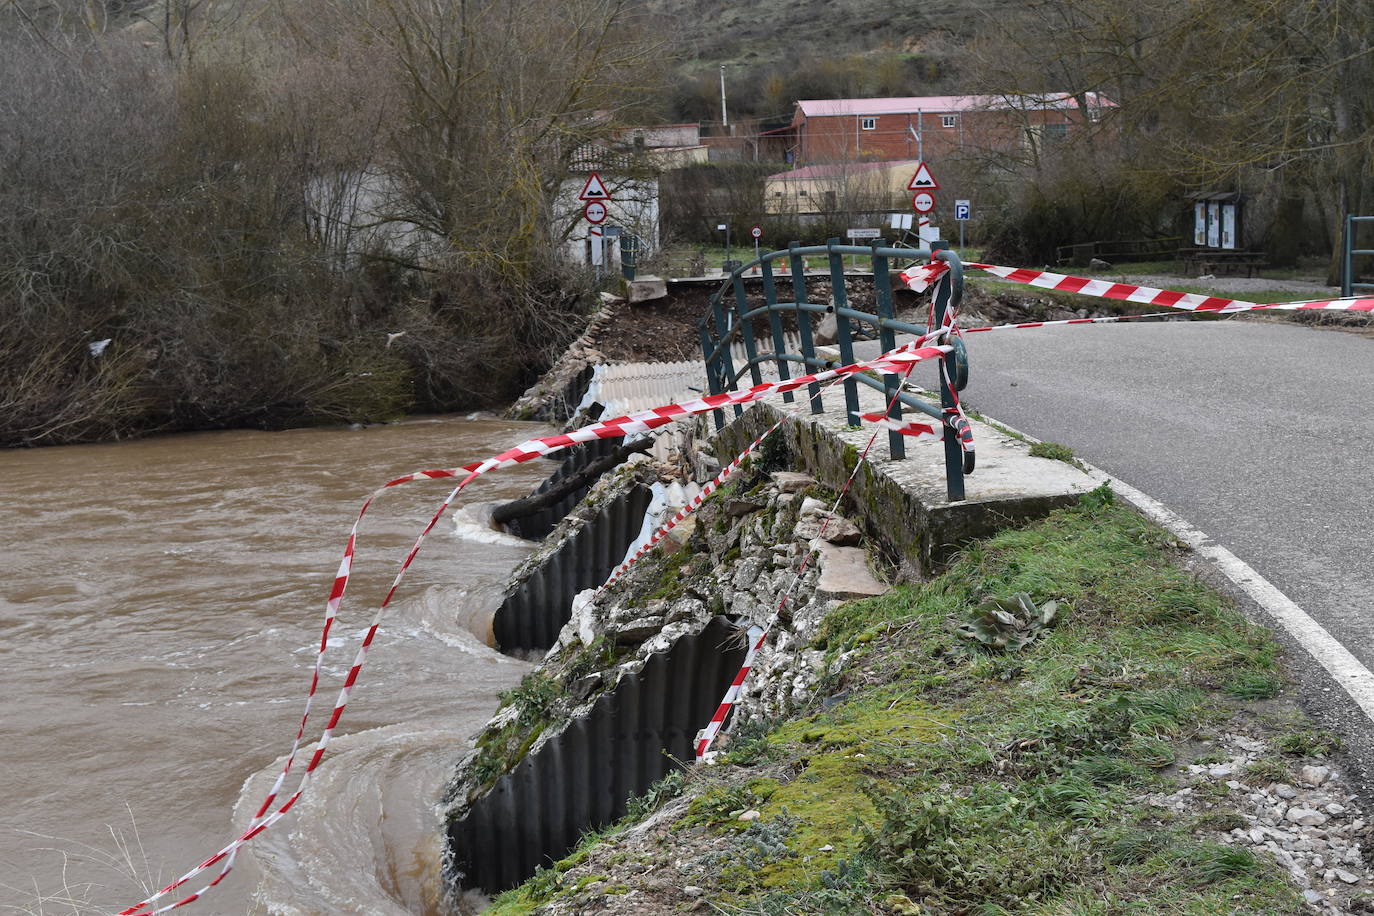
(944, 104)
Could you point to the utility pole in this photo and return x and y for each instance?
(724, 118)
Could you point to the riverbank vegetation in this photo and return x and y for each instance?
(1047, 727)
(228, 214)
(235, 213)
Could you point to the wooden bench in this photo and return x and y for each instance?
(1218, 261)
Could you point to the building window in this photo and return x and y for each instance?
(949, 120)
(868, 123)
(1094, 114)
(777, 193)
(1056, 131)
(801, 193)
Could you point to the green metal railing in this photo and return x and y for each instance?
(731, 318)
(1348, 284)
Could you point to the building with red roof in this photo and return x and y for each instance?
(850, 130)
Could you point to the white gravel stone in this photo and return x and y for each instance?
(1314, 775)
(1347, 877)
(1307, 817)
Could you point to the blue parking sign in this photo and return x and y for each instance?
(961, 210)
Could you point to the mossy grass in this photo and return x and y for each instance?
(1056, 452)
(947, 776)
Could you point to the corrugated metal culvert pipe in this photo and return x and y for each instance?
(583, 778)
(539, 524)
(536, 610)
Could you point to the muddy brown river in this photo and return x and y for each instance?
(160, 605)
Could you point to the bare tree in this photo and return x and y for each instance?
(1246, 93)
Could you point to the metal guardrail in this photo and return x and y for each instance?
(727, 322)
(1348, 284)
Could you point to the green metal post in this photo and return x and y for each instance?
(954, 453)
(842, 335)
(727, 365)
(746, 330)
(882, 292)
(770, 295)
(713, 385)
(804, 320)
(629, 251)
(1347, 260)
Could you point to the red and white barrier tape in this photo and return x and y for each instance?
(692, 506)
(707, 736)
(905, 427)
(901, 359)
(920, 276)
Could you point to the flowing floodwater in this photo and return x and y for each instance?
(160, 606)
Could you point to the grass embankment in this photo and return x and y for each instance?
(943, 774)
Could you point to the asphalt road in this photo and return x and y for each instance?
(1259, 433)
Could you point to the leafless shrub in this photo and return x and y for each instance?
(320, 212)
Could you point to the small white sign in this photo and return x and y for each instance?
(720, 227)
(864, 233)
(901, 221)
(930, 233)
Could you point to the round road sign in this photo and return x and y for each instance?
(923, 202)
(595, 211)
(756, 232)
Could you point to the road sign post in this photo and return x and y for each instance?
(962, 211)
(595, 197)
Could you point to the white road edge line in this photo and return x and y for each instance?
(1347, 670)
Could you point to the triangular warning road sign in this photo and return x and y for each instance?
(922, 180)
(594, 189)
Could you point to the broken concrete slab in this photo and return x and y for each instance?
(845, 574)
(645, 289)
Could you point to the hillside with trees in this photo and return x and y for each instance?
(232, 213)
(222, 214)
